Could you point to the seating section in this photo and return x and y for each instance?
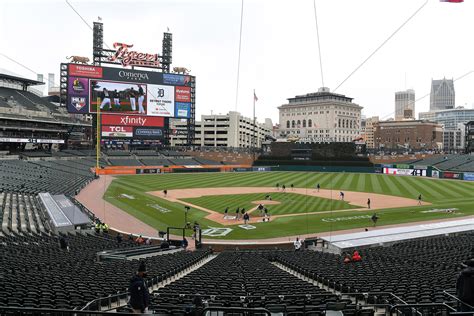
(417, 271)
(246, 279)
(36, 273)
(21, 213)
(155, 162)
(124, 162)
(32, 177)
(464, 163)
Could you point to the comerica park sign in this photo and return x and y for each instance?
(315, 140)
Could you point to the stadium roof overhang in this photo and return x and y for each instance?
(18, 80)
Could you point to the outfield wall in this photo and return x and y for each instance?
(129, 170)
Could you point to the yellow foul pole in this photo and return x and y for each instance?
(97, 146)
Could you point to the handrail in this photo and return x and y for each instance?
(457, 299)
(415, 306)
(29, 310)
(235, 309)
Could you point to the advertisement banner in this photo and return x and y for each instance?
(147, 133)
(160, 100)
(183, 94)
(133, 120)
(31, 140)
(451, 175)
(435, 174)
(176, 80)
(117, 131)
(85, 71)
(405, 172)
(468, 176)
(402, 166)
(78, 93)
(182, 110)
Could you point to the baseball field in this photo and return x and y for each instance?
(299, 209)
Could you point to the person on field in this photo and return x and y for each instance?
(419, 199)
(292, 186)
(165, 192)
(278, 186)
(318, 187)
(226, 211)
(341, 195)
(283, 187)
(465, 285)
(246, 218)
(374, 219)
(368, 203)
(237, 213)
(242, 212)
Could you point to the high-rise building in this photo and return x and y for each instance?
(450, 119)
(404, 105)
(322, 116)
(368, 128)
(442, 95)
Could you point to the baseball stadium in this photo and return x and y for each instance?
(116, 199)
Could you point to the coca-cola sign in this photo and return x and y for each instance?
(133, 58)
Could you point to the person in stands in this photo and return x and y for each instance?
(347, 258)
(119, 238)
(356, 256)
(465, 285)
(139, 240)
(63, 242)
(139, 295)
(297, 244)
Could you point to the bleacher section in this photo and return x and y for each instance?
(246, 279)
(21, 213)
(124, 162)
(155, 162)
(417, 271)
(447, 162)
(32, 177)
(37, 273)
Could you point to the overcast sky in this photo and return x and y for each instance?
(279, 48)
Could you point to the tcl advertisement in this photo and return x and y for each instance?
(127, 91)
(405, 172)
(117, 131)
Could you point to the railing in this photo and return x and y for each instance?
(414, 308)
(18, 311)
(218, 311)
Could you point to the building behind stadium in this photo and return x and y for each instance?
(223, 130)
(323, 116)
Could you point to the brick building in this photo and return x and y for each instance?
(414, 134)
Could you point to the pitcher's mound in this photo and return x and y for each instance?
(266, 202)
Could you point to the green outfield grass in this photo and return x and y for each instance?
(290, 203)
(441, 193)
